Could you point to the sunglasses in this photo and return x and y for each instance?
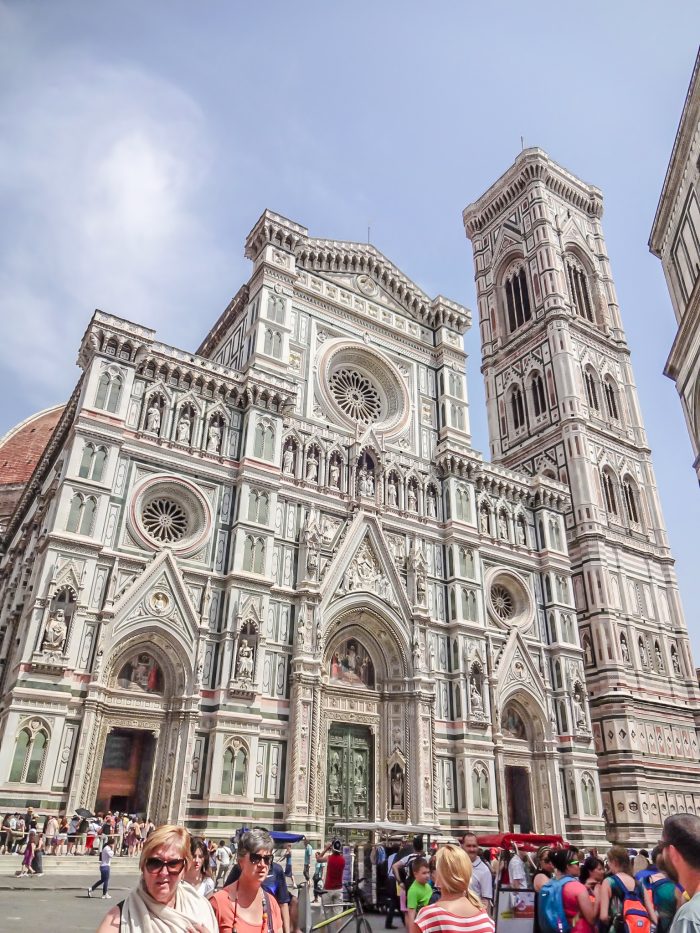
(574, 863)
(256, 858)
(174, 865)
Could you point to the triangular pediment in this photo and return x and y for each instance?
(364, 564)
(158, 595)
(508, 240)
(517, 670)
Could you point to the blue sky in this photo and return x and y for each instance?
(139, 142)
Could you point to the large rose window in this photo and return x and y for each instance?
(170, 512)
(509, 600)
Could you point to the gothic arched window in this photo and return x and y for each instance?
(588, 656)
(82, 514)
(28, 760)
(517, 300)
(611, 398)
(480, 788)
(539, 405)
(609, 493)
(588, 795)
(109, 390)
(517, 408)
(630, 496)
(264, 440)
(235, 771)
(591, 390)
(92, 464)
(579, 289)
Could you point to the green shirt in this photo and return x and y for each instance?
(418, 896)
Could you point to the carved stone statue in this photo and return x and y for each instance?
(397, 789)
(311, 467)
(370, 483)
(184, 426)
(476, 700)
(502, 526)
(484, 521)
(55, 633)
(366, 482)
(579, 712)
(245, 661)
(214, 439)
(520, 532)
(334, 474)
(643, 654)
(659, 659)
(153, 418)
(412, 499)
(431, 505)
(288, 461)
(392, 494)
(625, 650)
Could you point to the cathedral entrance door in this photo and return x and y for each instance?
(518, 800)
(349, 768)
(127, 767)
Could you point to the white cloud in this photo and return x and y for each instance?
(101, 171)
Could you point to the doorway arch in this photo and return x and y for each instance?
(524, 778)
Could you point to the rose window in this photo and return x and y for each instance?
(502, 602)
(164, 520)
(355, 395)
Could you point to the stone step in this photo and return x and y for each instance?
(71, 864)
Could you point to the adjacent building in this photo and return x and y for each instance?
(675, 239)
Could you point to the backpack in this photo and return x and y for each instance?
(550, 907)
(633, 917)
(405, 873)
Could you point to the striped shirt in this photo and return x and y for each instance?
(435, 918)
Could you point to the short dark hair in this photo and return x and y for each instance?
(562, 858)
(682, 830)
(588, 865)
(417, 863)
(418, 843)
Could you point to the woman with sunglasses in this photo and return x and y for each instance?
(163, 902)
(580, 910)
(244, 906)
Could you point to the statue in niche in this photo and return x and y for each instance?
(288, 460)
(311, 467)
(334, 775)
(184, 427)
(245, 661)
(676, 663)
(476, 700)
(412, 499)
(392, 497)
(366, 482)
(520, 531)
(502, 526)
(659, 658)
(417, 651)
(214, 438)
(55, 633)
(643, 654)
(431, 505)
(579, 711)
(624, 650)
(334, 475)
(396, 788)
(153, 418)
(359, 777)
(484, 522)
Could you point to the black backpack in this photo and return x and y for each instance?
(405, 873)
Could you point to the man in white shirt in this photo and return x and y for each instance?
(516, 871)
(482, 879)
(223, 861)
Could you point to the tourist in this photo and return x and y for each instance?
(401, 869)
(620, 885)
(275, 884)
(579, 909)
(62, 838)
(198, 872)
(244, 906)
(544, 870)
(51, 834)
(223, 857)
(332, 895)
(456, 911)
(392, 893)
(288, 869)
(482, 879)
(420, 892)
(308, 855)
(162, 902)
(106, 856)
(38, 857)
(592, 874)
(664, 893)
(517, 873)
(26, 868)
(680, 857)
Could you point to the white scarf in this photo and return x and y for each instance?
(142, 914)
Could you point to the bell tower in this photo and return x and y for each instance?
(562, 402)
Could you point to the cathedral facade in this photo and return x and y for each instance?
(272, 581)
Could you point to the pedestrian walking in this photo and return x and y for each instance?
(106, 856)
(26, 868)
(223, 861)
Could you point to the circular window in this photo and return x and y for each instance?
(503, 602)
(356, 395)
(358, 385)
(508, 598)
(170, 512)
(165, 520)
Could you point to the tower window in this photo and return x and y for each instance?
(630, 497)
(609, 493)
(518, 409)
(591, 390)
(611, 399)
(579, 290)
(517, 300)
(538, 401)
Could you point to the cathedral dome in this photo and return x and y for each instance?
(20, 450)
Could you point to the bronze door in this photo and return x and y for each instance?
(350, 770)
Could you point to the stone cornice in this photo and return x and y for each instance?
(687, 127)
(531, 165)
(226, 319)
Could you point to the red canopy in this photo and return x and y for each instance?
(528, 842)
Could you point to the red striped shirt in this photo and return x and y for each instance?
(435, 918)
